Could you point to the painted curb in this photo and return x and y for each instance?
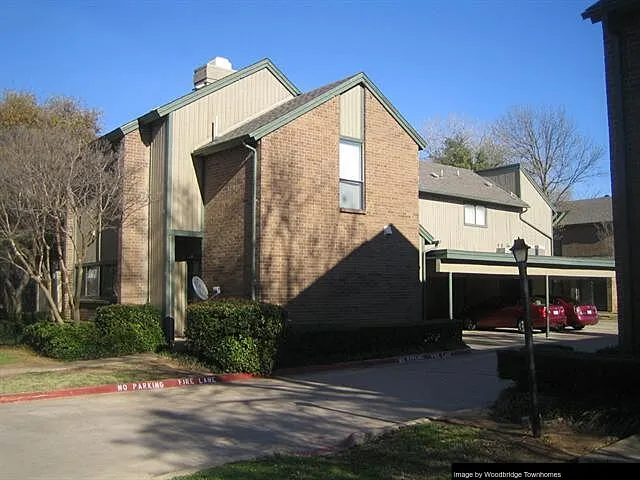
(154, 385)
(148, 385)
(372, 362)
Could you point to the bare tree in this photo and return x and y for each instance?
(462, 142)
(60, 187)
(548, 145)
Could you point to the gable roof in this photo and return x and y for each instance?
(454, 182)
(288, 111)
(590, 210)
(599, 9)
(199, 93)
(513, 168)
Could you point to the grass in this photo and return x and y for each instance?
(59, 375)
(22, 356)
(418, 452)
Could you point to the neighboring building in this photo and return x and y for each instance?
(468, 222)
(584, 228)
(305, 200)
(621, 30)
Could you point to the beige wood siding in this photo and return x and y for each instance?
(180, 295)
(351, 113)
(539, 214)
(445, 221)
(157, 215)
(192, 127)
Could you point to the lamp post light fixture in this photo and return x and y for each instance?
(520, 252)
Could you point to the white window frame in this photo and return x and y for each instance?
(476, 209)
(347, 177)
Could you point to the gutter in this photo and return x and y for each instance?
(536, 229)
(254, 219)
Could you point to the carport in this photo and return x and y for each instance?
(448, 272)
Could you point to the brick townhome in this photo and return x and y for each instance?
(621, 31)
(306, 200)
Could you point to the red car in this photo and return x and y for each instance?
(496, 313)
(578, 315)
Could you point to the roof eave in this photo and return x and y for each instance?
(351, 82)
(213, 147)
(599, 10)
(190, 97)
(514, 205)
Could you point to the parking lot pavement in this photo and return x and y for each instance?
(591, 338)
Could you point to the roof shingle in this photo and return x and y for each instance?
(590, 210)
(462, 183)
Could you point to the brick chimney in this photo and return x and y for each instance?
(214, 69)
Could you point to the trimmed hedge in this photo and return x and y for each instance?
(66, 341)
(561, 370)
(306, 346)
(235, 335)
(129, 329)
(117, 330)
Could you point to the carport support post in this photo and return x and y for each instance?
(546, 291)
(450, 295)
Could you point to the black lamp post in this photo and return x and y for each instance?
(520, 252)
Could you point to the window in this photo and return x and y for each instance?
(98, 280)
(475, 215)
(351, 175)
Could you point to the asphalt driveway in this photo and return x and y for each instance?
(147, 434)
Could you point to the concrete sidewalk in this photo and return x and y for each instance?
(626, 450)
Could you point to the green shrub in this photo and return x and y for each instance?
(117, 330)
(561, 371)
(12, 326)
(128, 329)
(237, 354)
(66, 341)
(234, 334)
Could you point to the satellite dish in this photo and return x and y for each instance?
(200, 288)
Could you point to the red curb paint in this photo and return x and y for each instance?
(148, 385)
(235, 377)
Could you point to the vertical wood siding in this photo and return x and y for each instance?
(540, 215)
(180, 295)
(351, 113)
(445, 221)
(192, 128)
(157, 232)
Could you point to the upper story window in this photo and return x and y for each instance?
(475, 215)
(351, 175)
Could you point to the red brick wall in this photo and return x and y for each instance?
(133, 254)
(227, 221)
(331, 268)
(622, 59)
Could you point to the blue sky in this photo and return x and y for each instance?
(431, 58)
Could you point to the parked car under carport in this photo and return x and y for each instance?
(578, 314)
(497, 312)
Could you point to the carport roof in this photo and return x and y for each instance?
(533, 261)
(464, 261)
